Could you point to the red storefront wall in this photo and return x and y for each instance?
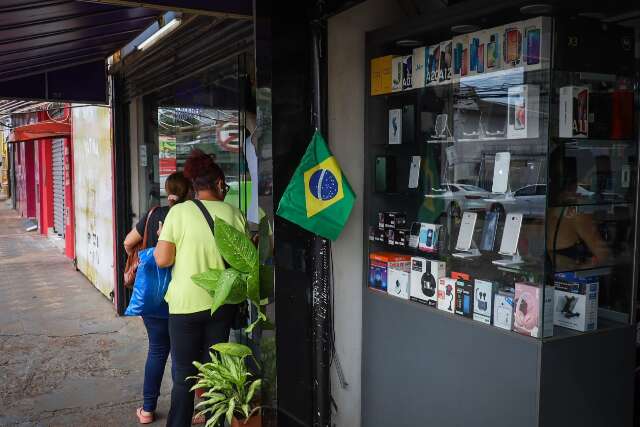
(44, 185)
(26, 181)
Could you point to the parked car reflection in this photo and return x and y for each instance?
(460, 197)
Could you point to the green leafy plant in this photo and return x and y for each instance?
(244, 279)
(230, 387)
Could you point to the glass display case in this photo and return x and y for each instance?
(501, 184)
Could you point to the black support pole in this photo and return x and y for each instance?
(321, 306)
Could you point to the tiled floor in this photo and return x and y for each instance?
(66, 358)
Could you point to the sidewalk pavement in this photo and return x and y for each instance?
(66, 358)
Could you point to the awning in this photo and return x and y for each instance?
(41, 130)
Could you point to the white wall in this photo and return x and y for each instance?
(346, 69)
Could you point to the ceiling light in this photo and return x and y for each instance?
(408, 43)
(536, 9)
(464, 28)
(163, 31)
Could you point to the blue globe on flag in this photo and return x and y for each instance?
(323, 185)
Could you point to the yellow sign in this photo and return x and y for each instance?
(322, 186)
(381, 75)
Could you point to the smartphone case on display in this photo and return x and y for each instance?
(379, 264)
(398, 279)
(576, 302)
(523, 111)
(385, 174)
(419, 77)
(414, 172)
(489, 229)
(407, 72)
(464, 298)
(501, 166)
(465, 234)
(424, 280)
(511, 234)
(395, 126)
(397, 65)
(447, 294)
(503, 309)
(381, 75)
(483, 292)
(533, 315)
(574, 112)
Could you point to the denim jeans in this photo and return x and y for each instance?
(159, 348)
(192, 335)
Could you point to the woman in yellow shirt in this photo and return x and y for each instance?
(186, 242)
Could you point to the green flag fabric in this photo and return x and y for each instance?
(318, 198)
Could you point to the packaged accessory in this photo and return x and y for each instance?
(576, 302)
(483, 301)
(530, 310)
(424, 280)
(447, 294)
(379, 264)
(574, 112)
(464, 298)
(503, 309)
(398, 276)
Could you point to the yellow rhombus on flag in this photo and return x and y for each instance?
(318, 197)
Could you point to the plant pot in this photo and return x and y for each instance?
(254, 421)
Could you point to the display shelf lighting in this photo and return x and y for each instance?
(162, 32)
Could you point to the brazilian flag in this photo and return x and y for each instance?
(318, 198)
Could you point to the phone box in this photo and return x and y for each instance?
(445, 71)
(433, 65)
(420, 57)
(377, 234)
(428, 238)
(395, 126)
(512, 45)
(399, 279)
(503, 309)
(574, 112)
(401, 237)
(424, 280)
(407, 72)
(533, 316)
(464, 298)
(381, 75)
(493, 49)
(523, 120)
(460, 48)
(447, 294)
(483, 292)
(392, 219)
(576, 302)
(397, 63)
(379, 263)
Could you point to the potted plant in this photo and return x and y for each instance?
(245, 279)
(231, 391)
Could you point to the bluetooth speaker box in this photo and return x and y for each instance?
(424, 280)
(379, 264)
(398, 279)
(464, 298)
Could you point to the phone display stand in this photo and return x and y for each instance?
(508, 262)
(472, 252)
(441, 133)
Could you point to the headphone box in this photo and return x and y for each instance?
(576, 303)
(464, 298)
(483, 292)
(379, 264)
(447, 294)
(503, 309)
(533, 310)
(398, 279)
(424, 280)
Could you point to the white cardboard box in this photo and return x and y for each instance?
(533, 310)
(424, 280)
(523, 112)
(398, 280)
(576, 305)
(574, 112)
(503, 310)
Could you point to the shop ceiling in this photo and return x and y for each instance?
(56, 49)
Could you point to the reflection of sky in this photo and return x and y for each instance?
(491, 87)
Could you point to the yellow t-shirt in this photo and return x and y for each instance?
(196, 251)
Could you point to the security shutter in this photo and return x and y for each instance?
(58, 186)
